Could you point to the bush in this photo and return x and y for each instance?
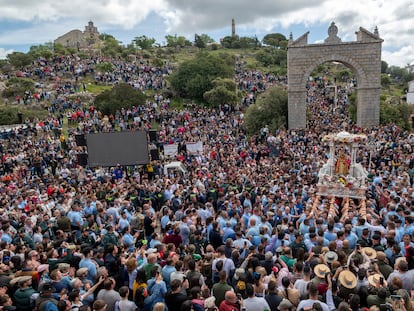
(8, 114)
(194, 77)
(398, 114)
(17, 86)
(270, 109)
(120, 96)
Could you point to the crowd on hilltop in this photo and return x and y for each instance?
(238, 231)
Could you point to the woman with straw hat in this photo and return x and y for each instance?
(347, 282)
(320, 272)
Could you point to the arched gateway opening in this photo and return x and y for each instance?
(363, 57)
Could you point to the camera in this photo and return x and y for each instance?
(386, 307)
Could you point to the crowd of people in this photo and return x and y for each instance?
(238, 231)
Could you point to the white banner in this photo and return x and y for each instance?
(170, 150)
(195, 148)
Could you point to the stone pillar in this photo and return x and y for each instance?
(297, 109)
(368, 110)
(331, 159)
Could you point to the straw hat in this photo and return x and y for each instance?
(81, 271)
(63, 266)
(321, 270)
(370, 252)
(20, 279)
(331, 256)
(210, 302)
(374, 279)
(347, 279)
(285, 304)
(325, 249)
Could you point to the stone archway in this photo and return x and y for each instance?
(362, 56)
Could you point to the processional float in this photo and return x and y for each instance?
(342, 176)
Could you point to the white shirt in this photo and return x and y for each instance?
(309, 303)
(256, 304)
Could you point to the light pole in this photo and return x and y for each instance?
(335, 101)
(371, 147)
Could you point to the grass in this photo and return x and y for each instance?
(246, 55)
(96, 89)
(8, 113)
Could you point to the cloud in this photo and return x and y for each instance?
(400, 57)
(4, 52)
(47, 19)
(123, 13)
(201, 15)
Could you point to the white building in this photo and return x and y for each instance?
(410, 93)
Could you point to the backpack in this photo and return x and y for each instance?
(140, 295)
(207, 273)
(50, 306)
(45, 304)
(219, 267)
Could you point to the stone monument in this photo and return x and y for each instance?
(362, 56)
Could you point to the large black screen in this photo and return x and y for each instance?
(123, 148)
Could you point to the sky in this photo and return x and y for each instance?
(24, 23)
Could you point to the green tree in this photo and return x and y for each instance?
(105, 67)
(401, 75)
(177, 41)
(398, 114)
(17, 86)
(384, 66)
(230, 42)
(385, 81)
(111, 46)
(199, 42)
(352, 109)
(106, 36)
(59, 49)
(19, 59)
(206, 39)
(265, 57)
(343, 75)
(274, 39)
(280, 57)
(270, 109)
(194, 77)
(144, 43)
(3, 64)
(223, 92)
(120, 96)
(271, 56)
(248, 42)
(44, 51)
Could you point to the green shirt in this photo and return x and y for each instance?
(219, 290)
(290, 262)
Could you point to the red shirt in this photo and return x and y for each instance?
(228, 306)
(173, 238)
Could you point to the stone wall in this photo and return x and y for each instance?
(72, 39)
(80, 40)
